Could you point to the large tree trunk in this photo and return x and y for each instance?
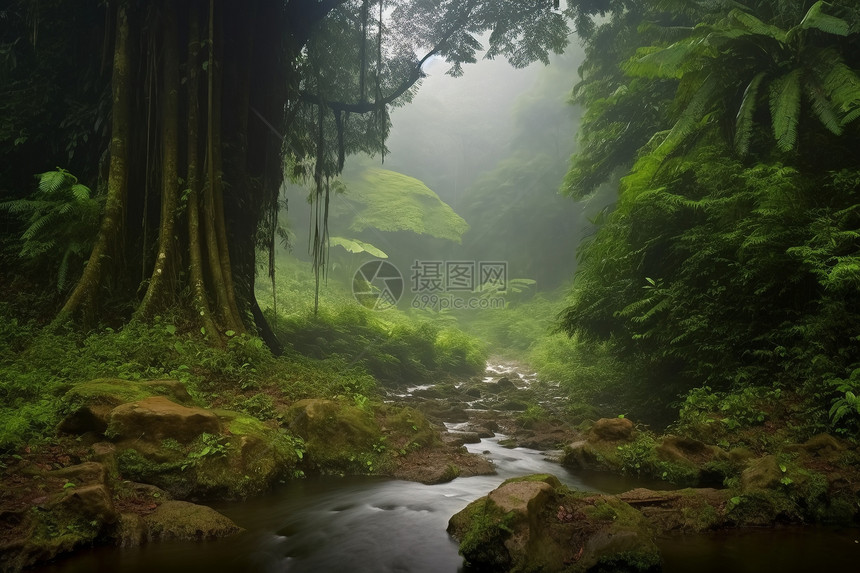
(85, 296)
(160, 284)
(195, 256)
(216, 236)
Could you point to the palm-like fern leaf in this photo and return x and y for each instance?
(842, 84)
(818, 20)
(749, 23)
(744, 120)
(52, 181)
(38, 226)
(80, 192)
(823, 107)
(785, 109)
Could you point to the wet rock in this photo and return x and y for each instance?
(130, 530)
(611, 430)
(182, 520)
(156, 418)
(535, 524)
(513, 406)
(460, 438)
(583, 455)
(90, 502)
(482, 431)
(85, 473)
(526, 498)
(441, 465)
(89, 404)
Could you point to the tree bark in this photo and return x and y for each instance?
(86, 292)
(195, 263)
(213, 203)
(160, 283)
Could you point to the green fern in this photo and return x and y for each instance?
(744, 121)
(61, 218)
(818, 20)
(785, 109)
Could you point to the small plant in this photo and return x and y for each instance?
(62, 219)
(211, 446)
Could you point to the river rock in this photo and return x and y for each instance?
(182, 520)
(536, 524)
(89, 404)
(460, 438)
(611, 430)
(90, 502)
(130, 530)
(85, 473)
(582, 455)
(156, 418)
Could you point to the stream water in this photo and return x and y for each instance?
(340, 524)
(378, 525)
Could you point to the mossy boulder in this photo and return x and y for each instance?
(536, 524)
(336, 434)
(75, 509)
(822, 446)
(762, 474)
(245, 458)
(181, 520)
(611, 430)
(88, 405)
(704, 464)
(585, 455)
(157, 418)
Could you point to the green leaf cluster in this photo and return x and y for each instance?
(731, 258)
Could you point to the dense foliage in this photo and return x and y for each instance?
(731, 258)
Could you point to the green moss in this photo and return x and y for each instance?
(110, 391)
(482, 529)
(628, 561)
(546, 478)
(601, 510)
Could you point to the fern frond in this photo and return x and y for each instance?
(62, 271)
(690, 119)
(653, 62)
(52, 181)
(22, 205)
(822, 107)
(842, 85)
(753, 25)
(744, 119)
(38, 225)
(818, 20)
(785, 109)
(81, 192)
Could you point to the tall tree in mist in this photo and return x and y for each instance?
(206, 102)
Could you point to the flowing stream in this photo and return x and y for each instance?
(377, 525)
(352, 524)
